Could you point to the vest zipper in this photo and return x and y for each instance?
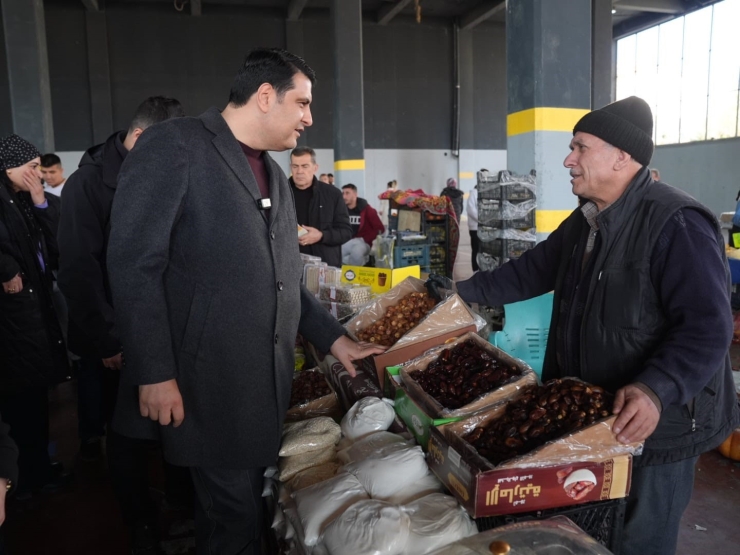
(692, 412)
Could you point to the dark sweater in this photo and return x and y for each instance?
(697, 337)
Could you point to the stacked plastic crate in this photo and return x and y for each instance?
(506, 217)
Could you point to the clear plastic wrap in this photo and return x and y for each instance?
(341, 311)
(313, 475)
(448, 315)
(491, 211)
(426, 485)
(488, 234)
(554, 536)
(488, 399)
(594, 443)
(327, 405)
(506, 185)
(290, 466)
(314, 434)
(345, 293)
(368, 445)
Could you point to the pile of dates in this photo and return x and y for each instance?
(462, 374)
(307, 387)
(398, 319)
(542, 414)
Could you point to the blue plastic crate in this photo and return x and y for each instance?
(412, 255)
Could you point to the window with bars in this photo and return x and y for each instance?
(688, 70)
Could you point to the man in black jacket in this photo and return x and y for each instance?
(83, 279)
(641, 308)
(320, 209)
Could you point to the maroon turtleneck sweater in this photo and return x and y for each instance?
(259, 169)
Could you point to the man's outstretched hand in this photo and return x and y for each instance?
(162, 403)
(345, 351)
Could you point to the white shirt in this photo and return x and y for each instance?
(471, 208)
(56, 191)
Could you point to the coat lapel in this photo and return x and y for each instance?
(231, 152)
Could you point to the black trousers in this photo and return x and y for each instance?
(27, 414)
(228, 510)
(474, 245)
(96, 397)
(658, 498)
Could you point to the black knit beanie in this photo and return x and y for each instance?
(627, 124)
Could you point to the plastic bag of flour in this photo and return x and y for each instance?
(368, 445)
(290, 466)
(416, 490)
(390, 469)
(366, 416)
(368, 528)
(435, 521)
(310, 435)
(320, 504)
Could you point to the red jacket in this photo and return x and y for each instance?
(370, 224)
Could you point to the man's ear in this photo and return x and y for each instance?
(265, 97)
(622, 161)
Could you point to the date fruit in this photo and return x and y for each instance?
(543, 413)
(307, 387)
(398, 319)
(463, 373)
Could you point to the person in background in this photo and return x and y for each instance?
(735, 223)
(319, 208)
(655, 174)
(53, 174)
(330, 178)
(641, 308)
(385, 204)
(83, 277)
(206, 280)
(33, 355)
(324, 178)
(8, 472)
(366, 226)
(471, 207)
(455, 195)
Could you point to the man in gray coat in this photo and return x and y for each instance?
(206, 280)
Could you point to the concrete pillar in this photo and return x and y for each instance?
(295, 45)
(601, 53)
(548, 51)
(101, 102)
(349, 118)
(28, 72)
(466, 72)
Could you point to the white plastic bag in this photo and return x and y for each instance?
(390, 470)
(420, 488)
(435, 521)
(368, 528)
(320, 504)
(368, 445)
(313, 475)
(366, 416)
(314, 434)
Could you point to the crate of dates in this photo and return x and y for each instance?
(312, 396)
(409, 322)
(465, 376)
(553, 446)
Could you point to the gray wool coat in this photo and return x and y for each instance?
(207, 290)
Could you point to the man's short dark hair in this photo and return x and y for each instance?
(349, 186)
(49, 160)
(329, 175)
(302, 151)
(156, 109)
(267, 65)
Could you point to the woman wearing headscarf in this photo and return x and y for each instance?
(32, 351)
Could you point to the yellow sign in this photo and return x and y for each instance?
(380, 279)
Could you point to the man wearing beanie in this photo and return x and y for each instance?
(641, 308)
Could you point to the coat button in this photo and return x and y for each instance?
(276, 339)
(272, 235)
(280, 285)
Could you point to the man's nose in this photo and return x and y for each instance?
(307, 118)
